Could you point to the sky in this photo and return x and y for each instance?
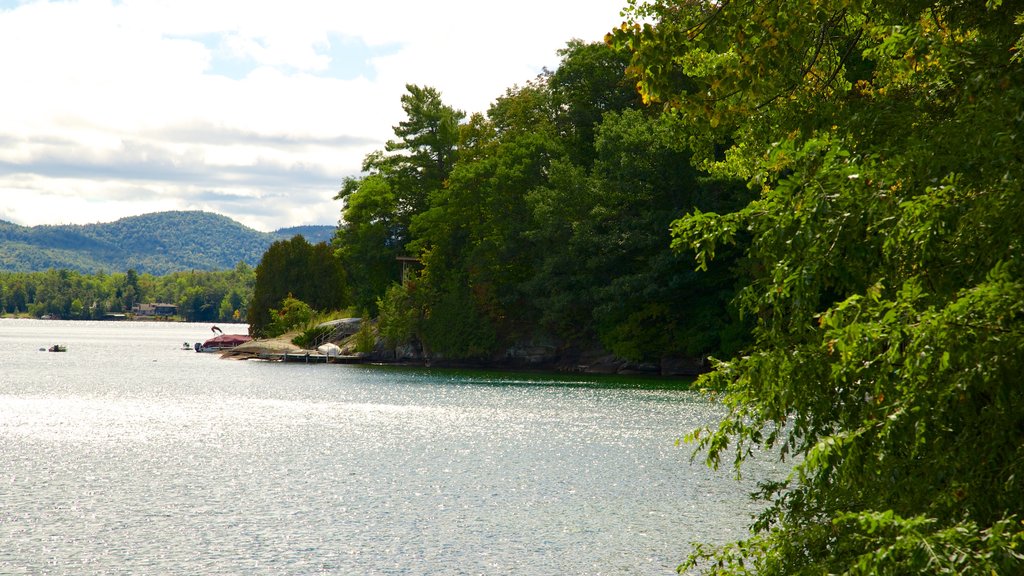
(253, 109)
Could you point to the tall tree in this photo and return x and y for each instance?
(369, 238)
(589, 82)
(887, 242)
(424, 153)
(650, 303)
(475, 240)
(295, 267)
(378, 208)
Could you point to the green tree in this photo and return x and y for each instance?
(886, 248)
(424, 153)
(608, 271)
(232, 307)
(369, 239)
(399, 319)
(475, 240)
(77, 309)
(195, 306)
(379, 207)
(292, 314)
(18, 300)
(132, 293)
(589, 82)
(453, 326)
(298, 269)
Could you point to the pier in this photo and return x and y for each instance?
(308, 358)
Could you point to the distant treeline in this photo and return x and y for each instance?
(220, 296)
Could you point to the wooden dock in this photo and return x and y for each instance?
(310, 358)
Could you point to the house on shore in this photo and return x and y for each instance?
(155, 310)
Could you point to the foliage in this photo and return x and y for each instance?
(318, 329)
(292, 314)
(295, 269)
(885, 252)
(200, 296)
(474, 241)
(379, 207)
(310, 337)
(548, 217)
(369, 239)
(651, 302)
(453, 327)
(158, 244)
(398, 321)
(589, 82)
(366, 339)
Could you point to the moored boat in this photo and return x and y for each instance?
(222, 342)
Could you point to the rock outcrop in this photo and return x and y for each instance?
(532, 354)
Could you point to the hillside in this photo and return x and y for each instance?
(157, 243)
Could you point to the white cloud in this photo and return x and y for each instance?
(111, 109)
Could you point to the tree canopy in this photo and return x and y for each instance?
(545, 219)
(885, 251)
(296, 270)
(397, 184)
(220, 296)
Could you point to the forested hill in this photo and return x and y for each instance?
(157, 243)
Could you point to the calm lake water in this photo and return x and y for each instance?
(128, 455)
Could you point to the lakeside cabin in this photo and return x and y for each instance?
(156, 310)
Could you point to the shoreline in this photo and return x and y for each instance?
(281, 349)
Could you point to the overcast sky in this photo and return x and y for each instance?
(252, 109)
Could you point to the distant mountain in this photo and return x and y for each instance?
(312, 234)
(157, 243)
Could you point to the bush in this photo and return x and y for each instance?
(293, 313)
(312, 337)
(455, 328)
(398, 318)
(366, 340)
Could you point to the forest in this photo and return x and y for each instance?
(885, 261)
(820, 197)
(545, 220)
(218, 296)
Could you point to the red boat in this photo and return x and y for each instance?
(222, 342)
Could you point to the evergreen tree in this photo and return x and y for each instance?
(295, 268)
(379, 207)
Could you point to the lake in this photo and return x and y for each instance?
(128, 455)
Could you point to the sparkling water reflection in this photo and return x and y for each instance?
(129, 455)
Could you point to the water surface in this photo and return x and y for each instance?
(128, 455)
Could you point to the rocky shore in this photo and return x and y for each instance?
(547, 356)
(263, 347)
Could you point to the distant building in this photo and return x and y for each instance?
(155, 310)
(409, 265)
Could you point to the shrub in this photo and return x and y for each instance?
(293, 313)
